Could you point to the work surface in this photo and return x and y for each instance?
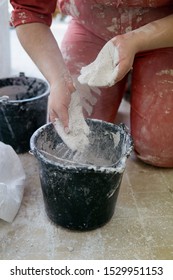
(141, 227)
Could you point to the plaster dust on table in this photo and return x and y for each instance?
(103, 70)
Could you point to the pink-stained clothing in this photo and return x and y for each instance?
(107, 18)
(93, 24)
(106, 15)
(152, 107)
(32, 11)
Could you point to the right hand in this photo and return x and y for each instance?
(59, 99)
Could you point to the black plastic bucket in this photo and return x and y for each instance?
(23, 109)
(79, 192)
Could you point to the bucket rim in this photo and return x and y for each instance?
(84, 167)
(8, 101)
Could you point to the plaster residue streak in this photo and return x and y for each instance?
(72, 9)
(114, 27)
(165, 72)
(23, 16)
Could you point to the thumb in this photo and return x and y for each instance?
(121, 70)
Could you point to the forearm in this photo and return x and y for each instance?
(39, 42)
(155, 35)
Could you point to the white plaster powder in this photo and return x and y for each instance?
(103, 70)
(77, 138)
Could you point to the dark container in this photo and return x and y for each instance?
(80, 191)
(23, 109)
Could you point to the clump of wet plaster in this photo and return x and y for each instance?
(103, 70)
(77, 138)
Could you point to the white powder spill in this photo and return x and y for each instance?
(77, 138)
(103, 70)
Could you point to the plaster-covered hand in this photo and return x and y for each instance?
(154, 35)
(112, 63)
(116, 58)
(127, 47)
(59, 99)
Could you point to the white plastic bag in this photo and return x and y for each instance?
(12, 177)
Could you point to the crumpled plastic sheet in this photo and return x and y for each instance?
(12, 180)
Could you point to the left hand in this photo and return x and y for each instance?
(127, 45)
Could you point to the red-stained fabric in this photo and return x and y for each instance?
(41, 11)
(119, 3)
(106, 21)
(152, 107)
(32, 11)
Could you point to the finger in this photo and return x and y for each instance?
(123, 69)
(52, 116)
(64, 118)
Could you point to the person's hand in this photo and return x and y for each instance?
(112, 63)
(127, 46)
(59, 99)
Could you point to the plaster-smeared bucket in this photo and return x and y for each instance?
(80, 190)
(23, 109)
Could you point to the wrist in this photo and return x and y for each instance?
(62, 82)
(136, 39)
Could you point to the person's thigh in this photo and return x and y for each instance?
(79, 48)
(152, 107)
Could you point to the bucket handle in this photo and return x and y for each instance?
(31, 152)
(4, 99)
